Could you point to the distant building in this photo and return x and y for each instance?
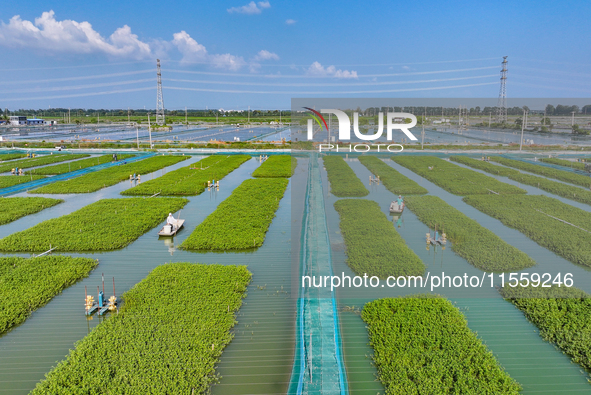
(18, 120)
(35, 121)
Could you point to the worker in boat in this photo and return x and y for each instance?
(170, 220)
(400, 201)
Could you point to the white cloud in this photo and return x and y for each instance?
(67, 36)
(193, 52)
(50, 36)
(227, 61)
(266, 55)
(262, 55)
(317, 70)
(251, 8)
(290, 22)
(406, 67)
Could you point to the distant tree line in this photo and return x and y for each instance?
(475, 111)
(430, 111)
(90, 112)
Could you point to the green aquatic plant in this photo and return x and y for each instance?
(106, 225)
(555, 187)
(5, 157)
(483, 165)
(190, 180)
(12, 180)
(392, 179)
(453, 178)
(373, 244)
(562, 175)
(558, 188)
(39, 161)
(343, 180)
(77, 165)
(14, 208)
(166, 339)
(276, 166)
(562, 314)
(557, 226)
(242, 220)
(103, 178)
(470, 240)
(564, 163)
(29, 283)
(423, 345)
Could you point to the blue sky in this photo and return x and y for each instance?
(235, 54)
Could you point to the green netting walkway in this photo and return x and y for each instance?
(318, 366)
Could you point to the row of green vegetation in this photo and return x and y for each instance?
(558, 188)
(14, 208)
(190, 180)
(557, 226)
(241, 221)
(104, 178)
(106, 225)
(453, 178)
(5, 157)
(166, 339)
(276, 166)
(473, 242)
(424, 346)
(77, 165)
(27, 284)
(9, 181)
(562, 175)
(343, 181)
(374, 247)
(555, 187)
(392, 179)
(563, 162)
(39, 161)
(482, 165)
(562, 314)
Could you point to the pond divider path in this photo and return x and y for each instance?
(318, 366)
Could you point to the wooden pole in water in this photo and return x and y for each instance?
(103, 279)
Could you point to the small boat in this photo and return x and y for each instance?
(396, 208)
(171, 229)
